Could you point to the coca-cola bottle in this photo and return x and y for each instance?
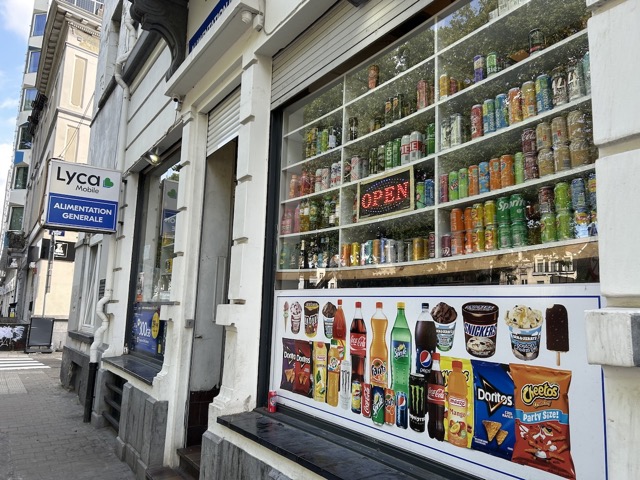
(435, 400)
(358, 349)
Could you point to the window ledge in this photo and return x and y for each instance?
(81, 336)
(141, 369)
(315, 446)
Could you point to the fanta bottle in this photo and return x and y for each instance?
(379, 353)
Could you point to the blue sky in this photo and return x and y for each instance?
(15, 21)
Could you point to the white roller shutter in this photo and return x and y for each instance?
(224, 122)
(333, 39)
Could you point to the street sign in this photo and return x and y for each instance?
(81, 198)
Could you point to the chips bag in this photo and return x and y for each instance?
(288, 364)
(302, 380)
(542, 419)
(494, 409)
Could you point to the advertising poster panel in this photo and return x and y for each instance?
(148, 329)
(491, 380)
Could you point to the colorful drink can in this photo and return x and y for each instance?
(528, 100)
(454, 86)
(468, 221)
(417, 402)
(548, 227)
(377, 404)
(405, 149)
(562, 158)
(397, 152)
(518, 167)
(544, 139)
(453, 186)
(355, 254)
(398, 106)
(489, 213)
(581, 220)
(457, 243)
(502, 211)
(484, 177)
(507, 171)
(562, 196)
(388, 155)
(445, 245)
(420, 195)
(463, 183)
(431, 139)
(445, 134)
(376, 251)
(488, 116)
(365, 253)
(366, 400)
(578, 194)
(456, 135)
(494, 63)
(457, 220)
(402, 409)
(515, 106)
(517, 208)
(519, 234)
(495, 182)
(559, 132)
(444, 187)
(381, 158)
(422, 94)
(474, 176)
(345, 255)
(536, 40)
(417, 249)
(575, 80)
(468, 241)
(504, 236)
(576, 125)
(443, 86)
(478, 240)
(431, 245)
(528, 138)
(546, 200)
(559, 86)
(389, 406)
(429, 192)
(479, 68)
(489, 238)
(592, 189)
(502, 110)
(374, 76)
(477, 121)
(416, 146)
(544, 94)
(546, 163)
(564, 230)
(531, 167)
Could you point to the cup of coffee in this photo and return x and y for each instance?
(480, 328)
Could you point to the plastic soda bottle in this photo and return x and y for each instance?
(358, 351)
(333, 374)
(340, 330)
(457, 405)
(379, 352)
(319, 371)
(425, 338)
(435, 400)
(401, 365)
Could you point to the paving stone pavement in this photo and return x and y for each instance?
(42, 436)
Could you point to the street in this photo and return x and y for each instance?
(42, 436)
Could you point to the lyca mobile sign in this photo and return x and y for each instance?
(81, 198)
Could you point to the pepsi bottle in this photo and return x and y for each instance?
(425, 339)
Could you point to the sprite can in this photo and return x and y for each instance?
(502, 211)
(377, 405)
(517, 208)
(519, 234)
(504, 236)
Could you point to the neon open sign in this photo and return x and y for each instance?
(387, 195)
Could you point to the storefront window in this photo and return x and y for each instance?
(155, 257)
(443, 188)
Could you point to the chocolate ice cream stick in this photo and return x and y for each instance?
(557, 324)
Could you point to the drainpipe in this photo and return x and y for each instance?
(111, 255)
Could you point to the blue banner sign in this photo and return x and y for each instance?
(72, 212)
(213, 17)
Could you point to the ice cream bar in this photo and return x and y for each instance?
(557, 322)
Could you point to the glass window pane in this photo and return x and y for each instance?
(34, 60)
(15, 222)
(25, 138)
(29, 96)
(22, 174)
(39, 21)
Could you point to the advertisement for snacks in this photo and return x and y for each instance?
(490, 380)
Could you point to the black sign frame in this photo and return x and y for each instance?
(387, 195)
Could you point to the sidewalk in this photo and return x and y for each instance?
(42, 436)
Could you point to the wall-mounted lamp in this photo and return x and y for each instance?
(153, 157)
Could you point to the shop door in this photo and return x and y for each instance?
(211, 289)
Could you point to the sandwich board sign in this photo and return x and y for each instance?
(81, 198)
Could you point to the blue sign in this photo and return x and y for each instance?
(208, 23)
(71, 212)
(147, 329)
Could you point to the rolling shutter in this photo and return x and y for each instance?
(224, 122)
(333, 39)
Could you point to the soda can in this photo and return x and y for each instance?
(402, 413)
(576, 125)
(356, 168)
(366, 400)
(377, 404)
(502, 111)
(517, 208)
(478, 239)
(544, 139)
(544, 93)
(528, 100)
(383, 255)
(495, 182)
(476, 121)
(388, 155)
(356, 396)
(418, 249)
(444, 188)
(456, 135)
(463, 183)
(443, 84)
(546, 199)
(454, 86)
(559, 131)
(457, 220)
(515, 105)
(345, 256)
(504, 237)
(417, 402)
(518, 168)
(388, 111)
(429, 192)
(562, 196)
(564, 229)
(591, 188)
(416, 145)
(581, 220)
(422, 94)
(507, 171)
(457, 243)
(562, 158)
(468, 224)
(405, 149)
(548, 227)
(531, 170)
(431, 139)
(397, 149)
(365, 252)
(271, 401)
(381, 158)
(536, 40)
(376, 251)
(335, 174)
(419, 195)
(445, 134)
(546, 162)
(453, 186)
(528, 138)
(326, 178)
(494, 63)
(484, 177)
(468, 242)
(390, 251)
(374, 78)
(488, 116)
(489, 238)
(431, 245)
(489, 213)
(580, 153)
(389, 407)
(575, 80)
(355, 254)
(519, 234)
(445, 245)
(479, 68)
(474, 188)
(578, 194)
(502, 211)
(559, 86)
(477, 215)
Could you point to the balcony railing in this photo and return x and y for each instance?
(92, 6)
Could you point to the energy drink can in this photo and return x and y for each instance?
(417, 402)
(479, 68)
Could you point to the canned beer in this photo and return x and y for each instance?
(388, 155)
(390, 251)
(418, 249)
(443, 84)
(502, 111)
(445, 134)
(559, 132)
(376, 251)
(576, 125)
(528, 100)
(479, 68)
(575, 80)
(494, 63)
(507, 171)
(415, 148)
(515, 105)
(397, 152)
(430, 146)
(562, 158)
(489, 213)
(476, 121)
(544, 139)
(544, 94)
(456, 136)
(473, 180)
(495, 182)
(417, 402)
(405, 149)
(546, 162)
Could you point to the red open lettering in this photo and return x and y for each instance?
(403, 191)
(377, 196)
